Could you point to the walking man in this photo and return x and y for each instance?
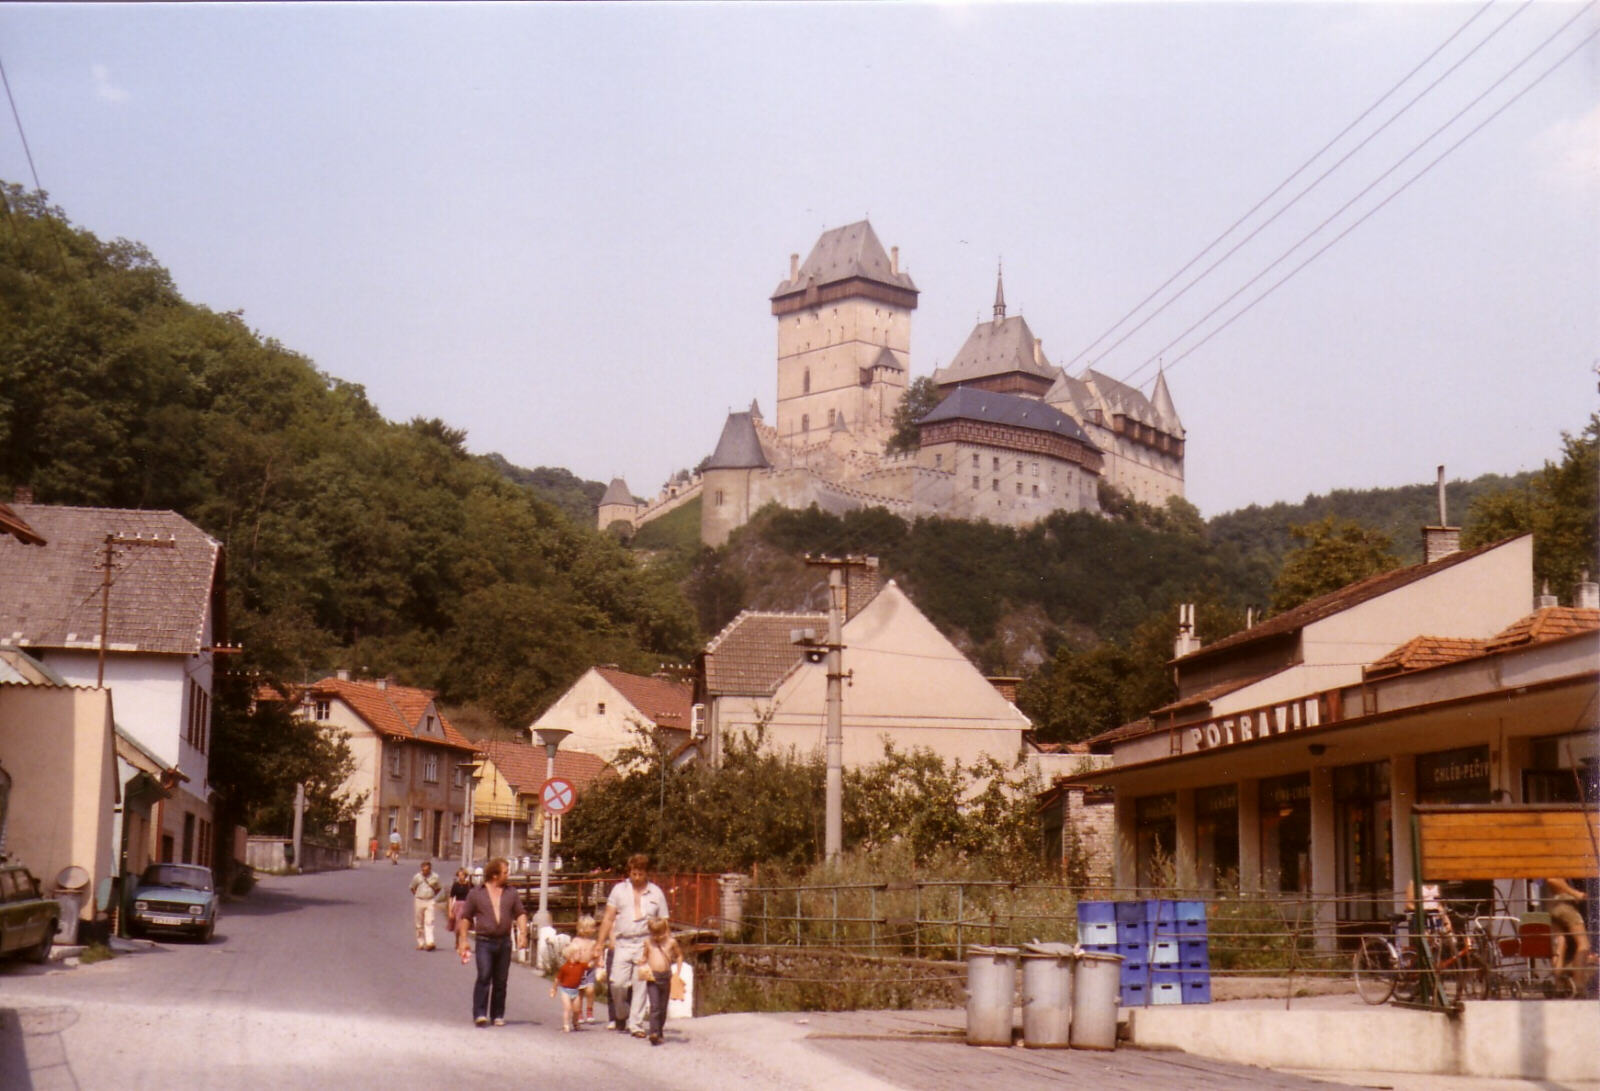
(627, 923)
(425, 887)
(495, 913)
(394, 847)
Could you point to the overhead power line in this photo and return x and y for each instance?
(1301, 169)
(1372, 211)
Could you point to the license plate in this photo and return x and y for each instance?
(170, 922)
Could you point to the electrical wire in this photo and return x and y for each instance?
(1159, 357)
(1295, 174)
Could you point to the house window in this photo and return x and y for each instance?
(320, 710)
(428, 725)
(460, 777)
(430, 768)
(394, 819)
(600, 708)
(394, 761)
(416, 825)
(455, 828)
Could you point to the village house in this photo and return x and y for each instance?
(412, 767)
(506, 817)
(610, 710)
(1295, 750)
(132, 603)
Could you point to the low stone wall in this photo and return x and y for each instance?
(276, 854)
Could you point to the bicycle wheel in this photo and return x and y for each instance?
(1407, 976)
(1375, 967)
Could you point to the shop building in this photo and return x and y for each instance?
(1296, 749)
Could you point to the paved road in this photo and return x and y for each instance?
(314, 981)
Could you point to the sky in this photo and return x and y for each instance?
(558, 227)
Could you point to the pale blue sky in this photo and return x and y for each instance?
(557, 227)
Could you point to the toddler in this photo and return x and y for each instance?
(576, 974)
(658, 966)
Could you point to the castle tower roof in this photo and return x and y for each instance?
(740, 447)
(1001, 347)
(971, 403)
(843, 253)
(617, 493)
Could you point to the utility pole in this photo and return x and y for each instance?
(111, 542)
(299, 824)
(833, 798)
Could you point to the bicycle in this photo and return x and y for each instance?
(1385, 967)
(1464, 962)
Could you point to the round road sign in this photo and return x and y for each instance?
(556, 796)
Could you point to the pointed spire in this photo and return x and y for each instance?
(999, 291)
(1161, 402)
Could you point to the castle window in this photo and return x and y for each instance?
(994, 486)
(1036, 490)
(1019, 488)
(805, 382)
(830, 418)
(719, 498)
(974, 461)
(975, 482)
(1019, 465)
(1035, 469)
(938, 460)
(997, 464)
(805, 422)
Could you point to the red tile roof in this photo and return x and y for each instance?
(665, 701)
(756, 652)
(1425, 651)
(160, 597)
(1549, 623)
(391, 709)
(524, 766)
(1122, 733)
(1291, 621)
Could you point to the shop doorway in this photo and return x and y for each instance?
(1216, 826)
(1364, 844)
(1286, 833)
(1157, 821)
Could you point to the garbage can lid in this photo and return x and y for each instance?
(72, 878)
(1000, 952)
(1047, 950)
(1099, 956)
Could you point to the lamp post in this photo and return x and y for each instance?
(472, 769)
(551, 738)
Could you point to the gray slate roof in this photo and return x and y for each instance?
(970, 403)
(50, 595)
(740, 447)
(617, 493)
(996, 348)
(845, 252)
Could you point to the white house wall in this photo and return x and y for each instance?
(602, 734)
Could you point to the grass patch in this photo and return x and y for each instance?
(96, 952)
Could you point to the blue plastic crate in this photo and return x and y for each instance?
(1130, 912)
(1097, 912)
(1187, 929)
(1162, 992)
(1193, 948)
(1133, 933)
(1158, 910)
(1188, 911)
(1168, 975)
(1134, 952)
(1134, 995)
(1097, 932)
(1103, 948)
(1164, 952)
(1197, 990)
(1134, 973)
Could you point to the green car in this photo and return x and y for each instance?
(28, 920)
(176, 898)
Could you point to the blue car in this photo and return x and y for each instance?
(175, 898)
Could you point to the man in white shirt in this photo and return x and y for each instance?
(627, 924)
(425, 888)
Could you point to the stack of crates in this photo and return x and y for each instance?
(1162, 944)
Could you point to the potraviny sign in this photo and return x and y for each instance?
(1254, 725)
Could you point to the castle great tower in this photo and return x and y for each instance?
(844, 338)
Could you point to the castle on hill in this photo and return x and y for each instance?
(1012, 439)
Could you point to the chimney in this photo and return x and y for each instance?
(1545, 599)
(1588, 596)
(1442, 540)
(381, 683)
(861, 583)
(1006, 685)
(794, 268)
(894, 260)
(342, 675)
(1188, 640)
(22, 494)
(1038, 351)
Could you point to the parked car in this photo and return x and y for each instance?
(177, 898)
(28, 920)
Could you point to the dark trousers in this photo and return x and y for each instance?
(659, 991)
(493, 954)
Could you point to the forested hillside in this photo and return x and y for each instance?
(352, 541)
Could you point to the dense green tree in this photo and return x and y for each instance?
(920, 399)
(1560, 506)
(1333, 552)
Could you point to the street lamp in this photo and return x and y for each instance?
(551, 738)
(472, 769)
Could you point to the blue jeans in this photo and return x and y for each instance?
(493, 954)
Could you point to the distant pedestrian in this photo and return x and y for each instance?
(658, 966)
(372, 849)
(394, 847)
(1562, 899)
(494, 913)
(458, 894)
(425, 888)
(627, 923)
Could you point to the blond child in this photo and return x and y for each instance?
(657, 966)
(576, 973)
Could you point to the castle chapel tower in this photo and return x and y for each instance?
(844, 338)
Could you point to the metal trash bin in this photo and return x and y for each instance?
(72, 886)
(1047, 995)
(1095, 986)
(991, 991)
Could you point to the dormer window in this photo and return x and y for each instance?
(600, 708)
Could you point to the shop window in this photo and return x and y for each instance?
(1216, 827)
(1363, 841)
(1156, 818)
(1286, 833)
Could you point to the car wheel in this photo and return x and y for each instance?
(210, 930)
(40, 952)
